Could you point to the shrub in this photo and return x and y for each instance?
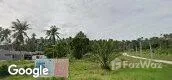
(61, 49)
(80, 47)
(4, 70)
(103, 51)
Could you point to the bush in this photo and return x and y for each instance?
(61, 49)
(4, 70)
(103, 51)
(80, 47)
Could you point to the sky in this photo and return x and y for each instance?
(98, 19)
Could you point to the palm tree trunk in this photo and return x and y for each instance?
(54, 40)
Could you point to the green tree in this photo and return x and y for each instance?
(53, 34)
(80, 35)
(59, 50)
(103, 51)
(80, 45)
(41, 44)
(32, 43)
(1, 31)
(19, 29)
(5, 35)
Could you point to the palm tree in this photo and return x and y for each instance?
(53, 33)
(41, 44)
(19, 29)
(5, 37)
(1, 29)
(5, 34)
(31, 43)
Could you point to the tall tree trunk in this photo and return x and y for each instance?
(54, 40)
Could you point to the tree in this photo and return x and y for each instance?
(1, 31)
(53, 33)
(19, 29)
(50, 52)
(41, 44)
(80, 35)
(103, 51)
(57, 51)
(80, 45)
(5, 35)
(32, 43)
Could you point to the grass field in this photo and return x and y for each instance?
(89, 70)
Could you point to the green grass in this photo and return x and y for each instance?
(21, 63)
(85, 70)
(89, 70)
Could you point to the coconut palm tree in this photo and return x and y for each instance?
(19, 29)
(5, 34)
(5, 37)
(53, 34)
(1, 29)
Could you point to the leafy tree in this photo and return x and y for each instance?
(41, 44)
(80, 45)
(59, 50)
(80, 35)
(62, 49)
(50, 52)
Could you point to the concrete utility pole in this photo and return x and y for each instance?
(151, 53)
(140, 48)
(136, 49)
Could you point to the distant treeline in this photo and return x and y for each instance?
(53, 46)
(16, 38)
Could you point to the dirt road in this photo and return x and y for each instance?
(161, 61)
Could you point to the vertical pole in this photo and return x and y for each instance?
(151, 50)
(140, 48)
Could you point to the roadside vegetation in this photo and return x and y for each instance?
(89, 59)
(88, 70)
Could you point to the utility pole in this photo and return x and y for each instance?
(151, 53)
(140, 48)
(136, 49)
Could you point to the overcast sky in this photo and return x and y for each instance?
(98, 19)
